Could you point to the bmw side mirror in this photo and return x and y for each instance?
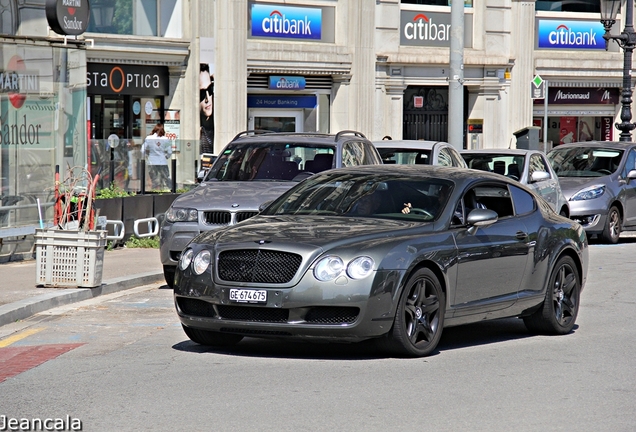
(480, 218)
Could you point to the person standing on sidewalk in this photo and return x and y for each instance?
(157, 149)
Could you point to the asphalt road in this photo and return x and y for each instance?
(121, 362)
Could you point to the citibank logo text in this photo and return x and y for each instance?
(275, 21)
(423, 28)
(558, 34)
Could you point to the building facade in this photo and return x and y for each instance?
(209, 69)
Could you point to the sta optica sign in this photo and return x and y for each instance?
(287, 22)
(570, 34)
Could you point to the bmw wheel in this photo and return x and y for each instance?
(211, 338)
(612, 230)
(419, 319)
(560, 308)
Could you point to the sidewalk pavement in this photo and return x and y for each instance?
(123, 268)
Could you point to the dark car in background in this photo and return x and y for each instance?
(255, 167)
(599, 180)
(393, 253)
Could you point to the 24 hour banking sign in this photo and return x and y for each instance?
(570, 35)
(287, 22)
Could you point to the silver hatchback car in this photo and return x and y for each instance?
(254, 168)
(419, 152)
(599, 180)
(529, 167)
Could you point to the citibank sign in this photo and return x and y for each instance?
(570, 35)
(286, 22)
(431, 29)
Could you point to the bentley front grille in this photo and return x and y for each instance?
(261, 266)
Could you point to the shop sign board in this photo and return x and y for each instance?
(433, 29)
(582, 96)
(284, 102)
(113, 79)
(68, 17)
(287, 22)
(286, 82)
(562, 34)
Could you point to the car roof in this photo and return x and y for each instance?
(407, 144)
(455, 174)
(501, 151)
(619, 145)
(298, 137)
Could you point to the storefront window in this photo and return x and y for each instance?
(42, 125)
(137, 17)
(568, 6)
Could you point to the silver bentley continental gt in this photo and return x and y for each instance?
(390, 252)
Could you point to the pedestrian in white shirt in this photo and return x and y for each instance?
(157, 149)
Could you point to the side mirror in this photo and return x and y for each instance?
(539, 176)
(201, 175)
(480, 218)
(632, 174)
(264, 205)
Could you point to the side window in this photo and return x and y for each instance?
(458, 160)
(493, 197)
(444, 158)
(523, 201)
(630, 164)
(358, 153)
(537, 163)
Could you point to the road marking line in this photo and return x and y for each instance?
(13, 339)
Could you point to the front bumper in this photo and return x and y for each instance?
(591, 217)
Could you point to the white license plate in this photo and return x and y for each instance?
(248, 296)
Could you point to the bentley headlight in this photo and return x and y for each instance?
(176, 214)
(589, 193)
(328, 268)
(360, 267)
(201, 262)
(186, 259)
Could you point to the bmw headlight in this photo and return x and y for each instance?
(589, 193)
(328, 268)
(360, 267)
(186, 259)
(201, 262)
(176, 214)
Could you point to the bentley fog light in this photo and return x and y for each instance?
(175, 214)
(201, 262)
(186, 259)
(360, 267)
(588, 193)
(328, 268)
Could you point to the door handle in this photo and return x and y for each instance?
(522, 235)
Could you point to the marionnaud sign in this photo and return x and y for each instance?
(571, 35)
(286, 82)
(431, 29)
(68, 17)
(287, 22)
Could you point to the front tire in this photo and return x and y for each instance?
(211, 338)
(560, 308)
(419, 320)
(613, 223)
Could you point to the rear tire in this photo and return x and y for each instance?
(211, 338)
(559, 310)
(168, 274)
(613, 223)
(419, 318)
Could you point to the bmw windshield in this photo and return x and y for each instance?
(585, 161)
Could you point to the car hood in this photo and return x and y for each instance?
(571, 185)
(325, 232)
(238, 196)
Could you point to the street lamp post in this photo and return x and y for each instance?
(627, 41)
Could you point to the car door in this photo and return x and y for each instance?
(629, 189)
(492, 261)
(546, 188)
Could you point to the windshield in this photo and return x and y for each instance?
(585, 161)
(509, 165)
(405, 156)
(273, 161)
(365, 195)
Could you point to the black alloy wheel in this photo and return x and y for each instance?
(560, 308)
(419, 319)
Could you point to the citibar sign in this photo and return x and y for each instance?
(127, 79)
